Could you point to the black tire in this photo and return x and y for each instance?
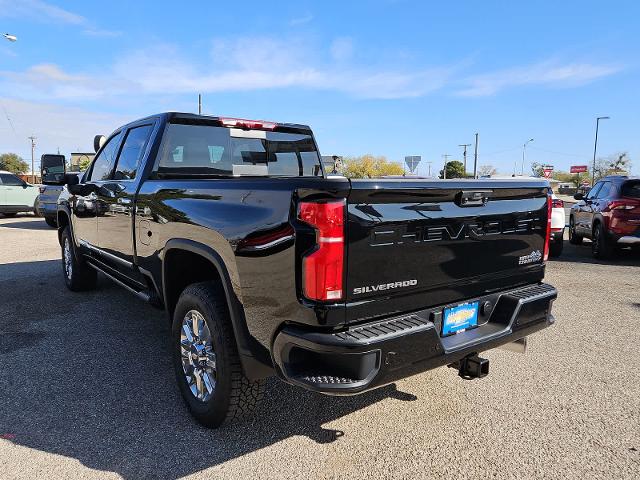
(51, 222)
(574, 238)
(555, 248)
(234, 395)
(35, 209)
(78, 276)
(601, 247)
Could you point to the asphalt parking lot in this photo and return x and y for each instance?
(87, 391)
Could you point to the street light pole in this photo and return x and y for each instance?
(475, 159)
(33, 147)
(524, 149)
(595, 149)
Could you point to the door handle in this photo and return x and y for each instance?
(124, 201)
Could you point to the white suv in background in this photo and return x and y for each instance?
(557, 227)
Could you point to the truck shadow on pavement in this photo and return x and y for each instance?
(88, 376)
(32, 224)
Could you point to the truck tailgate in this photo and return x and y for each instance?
(414, 244)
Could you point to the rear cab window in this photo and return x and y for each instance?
(215, 150)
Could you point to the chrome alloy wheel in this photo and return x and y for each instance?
(198, 357)
(67, 259)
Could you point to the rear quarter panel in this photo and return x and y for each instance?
(223, 214)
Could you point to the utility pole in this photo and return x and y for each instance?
(33, 168)
(464, 154)
(444, 170)
(199, 104)
(475, 159)
(429, 164)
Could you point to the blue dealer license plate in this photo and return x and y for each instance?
(459, 318)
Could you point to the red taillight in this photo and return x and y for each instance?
(557, 203)
(322, 269)
(244, 123)
(547, 238)
(621, 205)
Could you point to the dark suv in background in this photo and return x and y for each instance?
(609, 215)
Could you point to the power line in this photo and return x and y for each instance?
(6, 114)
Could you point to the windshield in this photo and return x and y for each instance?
(210, 150)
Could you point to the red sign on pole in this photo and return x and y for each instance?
(547, 171)
(579, 169)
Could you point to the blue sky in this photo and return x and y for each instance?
(387, 77)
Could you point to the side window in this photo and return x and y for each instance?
(131, 152)
(594, 191)
(604, 191)
(103, 163)
(9, 180)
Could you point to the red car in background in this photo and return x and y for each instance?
(609, 215)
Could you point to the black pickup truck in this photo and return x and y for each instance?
(267, 266)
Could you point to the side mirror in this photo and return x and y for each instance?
(71, 179)
(52, 169)
(98, 142)
(578, 196)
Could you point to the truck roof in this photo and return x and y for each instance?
(204, 119)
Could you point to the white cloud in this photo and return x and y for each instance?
(260, 63)
(342, 49)
(55, 126)
(40, 11)
(98, 32)
(294, 22)
(242, 64)
(7, 52)
(550, 73)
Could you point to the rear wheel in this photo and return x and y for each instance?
(78, 275)
(601, 247)
(574, 238)
(206, 360)
(51, 222)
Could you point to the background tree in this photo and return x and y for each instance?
(369, 166)
(484, 170)
(13, 163)
(615, 164)
(537, 170)
(84, 163)
(455, 169)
